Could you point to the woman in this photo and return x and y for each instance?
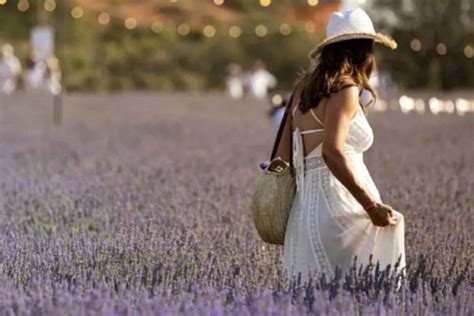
(337, 214)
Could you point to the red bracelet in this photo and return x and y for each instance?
(371, 205)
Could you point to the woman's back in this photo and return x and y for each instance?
(310, 121)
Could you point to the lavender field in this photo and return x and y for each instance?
(138, 205)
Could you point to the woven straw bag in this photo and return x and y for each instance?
(274, 194)
(272, 201)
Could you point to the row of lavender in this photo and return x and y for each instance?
(138, 205)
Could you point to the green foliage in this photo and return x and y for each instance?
(102, 58)
(432, 22)
(119, 59)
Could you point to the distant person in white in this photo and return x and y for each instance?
(10, 70)
(54, 75)
(235, 82)
(35, 76)
(260, 80)
(5, 73)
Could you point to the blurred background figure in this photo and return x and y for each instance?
(261, 80)
(234, 81)
(43, 76)
(10, 70)
(387, 86)
(53, 75)
(5, 74)
(35, 75)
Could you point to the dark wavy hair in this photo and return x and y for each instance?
(339, 65)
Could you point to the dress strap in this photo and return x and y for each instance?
(315, 117)
(309, 131)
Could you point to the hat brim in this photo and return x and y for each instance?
(377, 37)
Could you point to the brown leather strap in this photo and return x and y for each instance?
(288, 107)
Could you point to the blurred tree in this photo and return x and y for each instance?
(16, 25)
(432, 36)
(111, 57)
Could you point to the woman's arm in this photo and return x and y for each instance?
(340, 110)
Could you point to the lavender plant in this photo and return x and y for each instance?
(138, 205)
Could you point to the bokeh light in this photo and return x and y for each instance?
(130, 23)
(265, 3)
(235, 31)
(435, 105)
(103, 18)
(183, 29)
(261, 30)
(468, 51)
(77, 12)
(209, 31)
(2, 2)
(218, 2)
(277, 99)
(415, 45)
(441, 49)
(23, 5)
(50, 5)
(462, 106)
(407, 104)
(157, 26)
(313, 2)
(285, 29)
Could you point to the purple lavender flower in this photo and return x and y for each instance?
(264, 165)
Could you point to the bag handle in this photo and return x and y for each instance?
(289, 105)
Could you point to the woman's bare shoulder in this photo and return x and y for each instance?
(343, 102)
(348, 93)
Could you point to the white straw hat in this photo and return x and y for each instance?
(351, 24)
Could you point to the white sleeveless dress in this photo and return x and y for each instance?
(327, 227)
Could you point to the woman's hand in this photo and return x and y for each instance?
(381, 215)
